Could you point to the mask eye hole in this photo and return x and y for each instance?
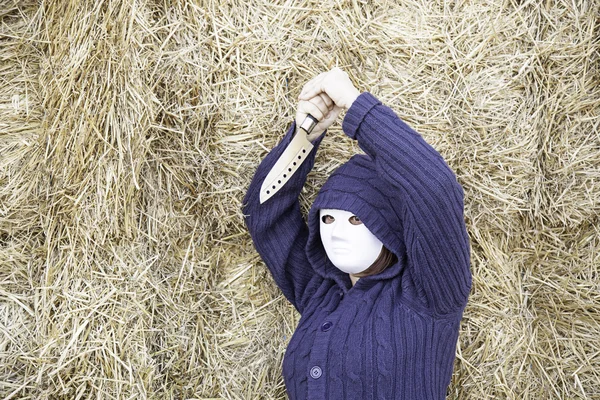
(327, 219)
(354, 220)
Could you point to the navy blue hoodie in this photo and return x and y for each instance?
(392, 335)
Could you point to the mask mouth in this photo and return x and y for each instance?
(341, 250)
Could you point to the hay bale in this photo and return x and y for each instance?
(129, 131)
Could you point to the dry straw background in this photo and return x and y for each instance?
(130, 129)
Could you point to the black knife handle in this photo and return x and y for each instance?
(309, 124)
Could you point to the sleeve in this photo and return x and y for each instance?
(277, 227)
(434, 231)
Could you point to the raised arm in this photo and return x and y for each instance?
(434, 230)
(277, 227)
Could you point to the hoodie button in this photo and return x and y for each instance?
(315, 372)
(326, 326)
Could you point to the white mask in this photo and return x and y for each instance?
(350, 246)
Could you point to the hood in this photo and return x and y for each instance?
(356, 187)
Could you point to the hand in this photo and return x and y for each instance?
(336, 84)
(322, 108)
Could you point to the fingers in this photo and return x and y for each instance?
(312, 87)
(309, 107)
(327, 100)
(332, 115)
(316, 86)
(325, 123)
(318, 106)
(334, 83)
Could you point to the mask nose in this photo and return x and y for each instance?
(338, 230)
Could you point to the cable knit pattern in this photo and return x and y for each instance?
(392, 335)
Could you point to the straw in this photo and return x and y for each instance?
(130, 130)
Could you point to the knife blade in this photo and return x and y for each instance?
(290, 160)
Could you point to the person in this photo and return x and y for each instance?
(380, 270)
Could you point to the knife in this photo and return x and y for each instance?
(290, 160)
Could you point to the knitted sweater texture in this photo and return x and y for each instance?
(392, 335)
